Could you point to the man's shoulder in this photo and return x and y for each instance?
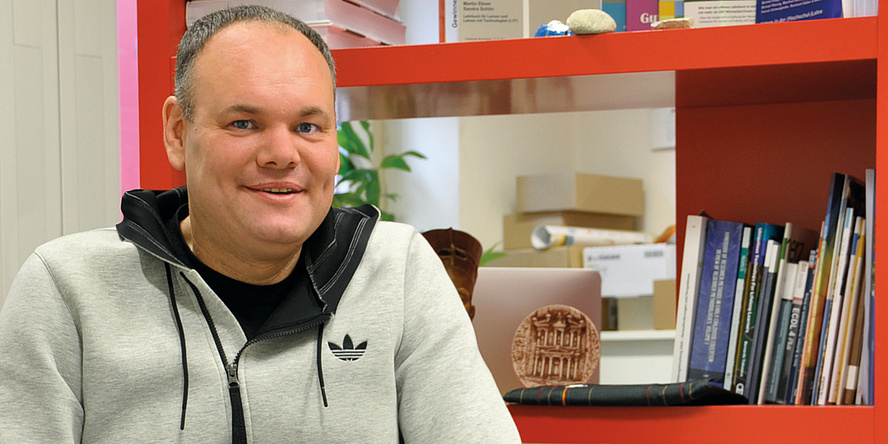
(101, 241)
(387, 231)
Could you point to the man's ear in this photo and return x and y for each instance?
(174, 133)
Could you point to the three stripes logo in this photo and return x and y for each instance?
(348, 351)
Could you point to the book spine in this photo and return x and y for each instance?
(792, 395)
(792, 334)
(777, 347)
(715, 302)
(763, 322)
(763, 233)
(689, 282)
(739, 292)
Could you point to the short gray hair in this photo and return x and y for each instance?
(196, 37)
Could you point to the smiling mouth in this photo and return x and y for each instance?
(277, 190)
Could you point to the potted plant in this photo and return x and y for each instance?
(359, 171)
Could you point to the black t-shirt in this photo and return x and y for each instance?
(250, 304)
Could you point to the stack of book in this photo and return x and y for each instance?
(779, 313)
(343, 24)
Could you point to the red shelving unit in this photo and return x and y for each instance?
(764, 113)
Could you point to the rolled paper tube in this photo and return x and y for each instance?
(548, 236)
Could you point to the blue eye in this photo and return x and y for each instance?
(241, 124)
(306, 128)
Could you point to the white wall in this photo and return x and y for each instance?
(491, 151)
(59, 162)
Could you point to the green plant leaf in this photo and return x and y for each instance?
(373, 189)
(490, 255)
(347, 200)
(350, 141)
(366, 125)
(345, 164)
(414, 154)
(394, 161)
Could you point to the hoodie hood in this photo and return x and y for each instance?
(331, 254)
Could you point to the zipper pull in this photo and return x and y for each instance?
(232, 374)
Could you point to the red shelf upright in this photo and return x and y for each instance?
(160, 26)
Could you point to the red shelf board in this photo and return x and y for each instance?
(721, 424)
(811, 41)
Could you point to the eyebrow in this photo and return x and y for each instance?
(303, 112)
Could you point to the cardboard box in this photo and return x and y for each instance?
(647, 312)
(630, 270)
(560, 257)
(664, 304)
(580, 192)
(517, 228)
(635, 313)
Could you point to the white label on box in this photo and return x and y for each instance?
(630, 270)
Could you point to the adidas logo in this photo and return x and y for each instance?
(348, 351)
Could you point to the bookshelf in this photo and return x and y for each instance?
(793, 101)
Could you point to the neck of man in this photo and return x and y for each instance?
(237, 265)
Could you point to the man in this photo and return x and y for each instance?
(244, 309)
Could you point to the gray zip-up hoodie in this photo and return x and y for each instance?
(107, 337)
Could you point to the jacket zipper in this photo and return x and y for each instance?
(238, 426)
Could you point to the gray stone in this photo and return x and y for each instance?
(591, 21)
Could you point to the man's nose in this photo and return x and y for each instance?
(280, 148)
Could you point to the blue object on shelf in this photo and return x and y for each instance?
(554, 27)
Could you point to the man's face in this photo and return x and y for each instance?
(261, 153)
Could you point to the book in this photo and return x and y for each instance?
(762, 323)
(769, 11)
(763, 233)
(832, 313)
(778, 337)
(864, 384)
(797, 298)
(715, 301)
(797, 242)
(826, 345)
(739, 291)
(641, 14)
(850, 302)
(849, 380)
(841, 189)
(793, 385)
(709, 13)
(388, 8)
(340, 38)
(617, 10)
(689, 281)
(670, 9)
(341, 13)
